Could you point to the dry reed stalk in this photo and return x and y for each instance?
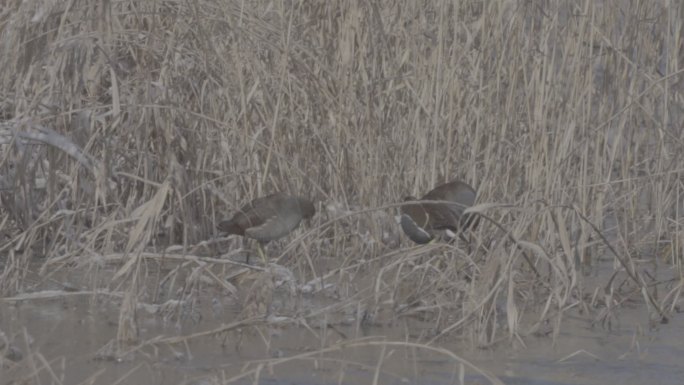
(182, 112)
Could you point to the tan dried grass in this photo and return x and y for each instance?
(173, 114)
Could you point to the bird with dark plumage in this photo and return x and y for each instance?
(420, 221)
(268, 218)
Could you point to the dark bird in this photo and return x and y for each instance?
(269, 218)
(420, 221)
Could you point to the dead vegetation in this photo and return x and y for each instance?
(130, 128)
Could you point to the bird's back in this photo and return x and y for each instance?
(421, 220)
(268, 218)
(449, 216)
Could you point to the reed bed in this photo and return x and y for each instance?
(130, 128)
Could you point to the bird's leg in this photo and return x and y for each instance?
(262, 254)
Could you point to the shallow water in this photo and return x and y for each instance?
(67, 334)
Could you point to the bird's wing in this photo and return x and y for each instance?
(445, 216)
(273, 227)
(256, 212)
(449, 215)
